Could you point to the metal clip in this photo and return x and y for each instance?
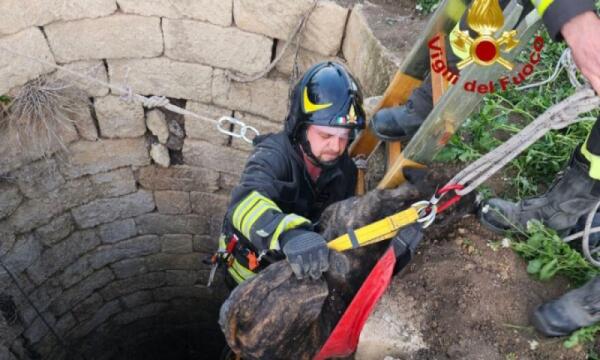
(427, 211)
(225, 122)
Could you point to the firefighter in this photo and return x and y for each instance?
(573, 195)
(292, 176)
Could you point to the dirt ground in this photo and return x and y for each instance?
(464, 296)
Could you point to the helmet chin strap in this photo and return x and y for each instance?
(305, 146)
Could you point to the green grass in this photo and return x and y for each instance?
(504, 114)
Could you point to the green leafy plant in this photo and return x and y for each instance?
(548, 255)
(427, 6)
(582, 336)
(502, 115)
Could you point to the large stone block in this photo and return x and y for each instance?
(118, 118)
(18, 14)
(173, 202)
(25, 252)
(86, 157)
(265, 97)
(62, 254)
(180, 177)
(8, 240)
(325, 28)
(10, 198)
(229, 48)
(56, 230)
(114, 183)
(306, 58)
(91, 68)
(176, 243)
(76, 272)
(216, 12)
(15, 155)
(368, 59)
(132, 248)
(129, 267)
(164, 77)
(214, 212)
(88, 307)
(183, 277)
(30, 42)
(81, 291)
(137, 299)
(205, 243)
(323, 32)
(36, 212)
(171, 224)
(157, 124)
(106, 210)
(141, 312)
(162, 261)
(112, 37)
(207, 155)
(130, 285)
(101, 316)
(85, 125)
(203, 129)
(38, 178)
(117, 231)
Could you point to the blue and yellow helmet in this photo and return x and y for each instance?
(326, 95)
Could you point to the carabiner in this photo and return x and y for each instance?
(225, 120)
(440, 194)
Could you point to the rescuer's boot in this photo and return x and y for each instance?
(572, 196)
(402, 122)
(573, 310)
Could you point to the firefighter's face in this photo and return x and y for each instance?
(327, 143)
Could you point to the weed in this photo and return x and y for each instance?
(502, 115)
(548, 255)
(40, 114)
(427, 6)
(582, 336)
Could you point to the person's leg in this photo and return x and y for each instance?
(573, 310)
(573, 195)
(402, 122)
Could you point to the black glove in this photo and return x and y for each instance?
(405, 244)
(306, 251)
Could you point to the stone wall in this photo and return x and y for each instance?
(107, 236)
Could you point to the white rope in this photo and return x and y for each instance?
(564, 62)
(127, 94)
(556, 117)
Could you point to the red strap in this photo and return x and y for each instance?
(344, 338)
(232, 242)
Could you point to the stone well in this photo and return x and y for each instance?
(103, 233)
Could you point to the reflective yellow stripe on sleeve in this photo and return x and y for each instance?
(542, 5)
(239, 272)
(249, 210)
(290, 221)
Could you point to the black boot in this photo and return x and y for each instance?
(573, 310)
(572, 195)
(402, 122)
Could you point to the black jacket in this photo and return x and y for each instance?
(276, 170)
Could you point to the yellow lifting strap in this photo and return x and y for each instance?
(377, 231)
